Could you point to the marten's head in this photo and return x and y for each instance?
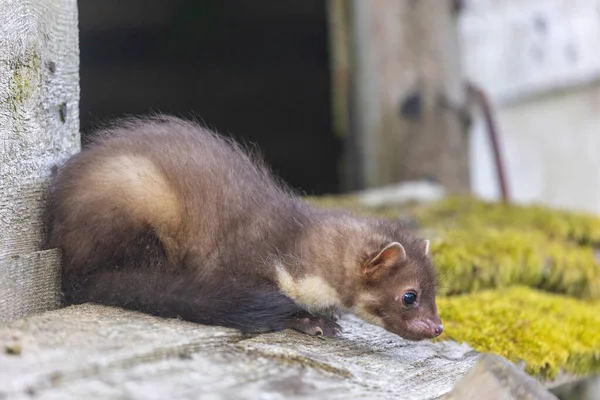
(398, 288)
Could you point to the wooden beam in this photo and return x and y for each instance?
(405, 94)
(39, 126)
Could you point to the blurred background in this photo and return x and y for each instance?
(498, 98)
(255, 70)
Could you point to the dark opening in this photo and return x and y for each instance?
(255, 70)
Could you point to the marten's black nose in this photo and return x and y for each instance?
(439, 329)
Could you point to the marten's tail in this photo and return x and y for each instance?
(240, 304)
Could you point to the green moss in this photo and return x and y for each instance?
(13, 349)
(549, 333)
(25, 78)
(468, 260)
(20, 85)
(469, 213)
(481, 245)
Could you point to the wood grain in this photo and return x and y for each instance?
(39, 77)
(29, 284)
(90, 351)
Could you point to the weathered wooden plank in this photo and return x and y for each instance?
(91, 351)
(21, 216)
(29, 284)
(495, 378)
(340, 70)
(339, 46)
(39, 117)
(404, 48)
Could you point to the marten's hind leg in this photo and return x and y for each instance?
(312, 325)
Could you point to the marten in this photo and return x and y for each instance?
(164, 216)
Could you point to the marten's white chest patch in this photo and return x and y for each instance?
(360, 308)
(310, 291)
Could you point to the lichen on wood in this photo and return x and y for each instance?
(26, 77)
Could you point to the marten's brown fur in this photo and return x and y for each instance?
(163, 216)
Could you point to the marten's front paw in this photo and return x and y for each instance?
(314, 326)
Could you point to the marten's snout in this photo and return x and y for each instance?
(434, 328)
(425, 328)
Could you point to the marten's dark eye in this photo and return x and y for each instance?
(409, 299)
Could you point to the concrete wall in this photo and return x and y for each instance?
(39, 126)
(540, 63)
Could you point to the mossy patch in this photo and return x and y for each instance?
(466, 212)
(13, 349)
(26, 76)
(479, 245)
(20, 86)
(547, 332)
(468, 260)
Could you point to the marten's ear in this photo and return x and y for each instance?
(424, 247)
(390, 255)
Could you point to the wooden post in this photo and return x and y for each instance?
(406, 92)
(39, 126)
